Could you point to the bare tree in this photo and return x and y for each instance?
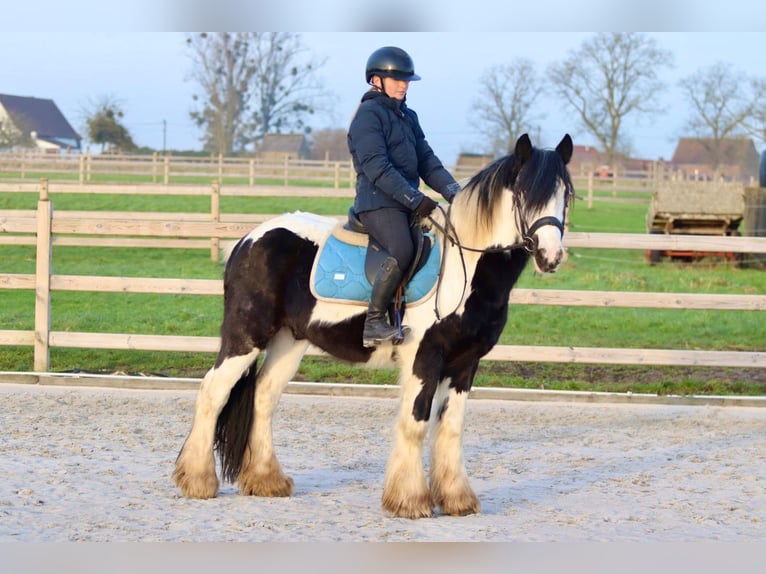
(222, 66)
(612, 76)
(721, 104)
(251, 83)
(504, 107)
(287, 91)
(756, 123)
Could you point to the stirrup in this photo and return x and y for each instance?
(399, 337)
(386, 333)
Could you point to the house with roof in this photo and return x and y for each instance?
(734, 159)
(278, 148)
(40, 120)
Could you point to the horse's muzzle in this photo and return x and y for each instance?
(548, 260)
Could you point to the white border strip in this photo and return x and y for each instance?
(380, 391)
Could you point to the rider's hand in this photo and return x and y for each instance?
(425, 207)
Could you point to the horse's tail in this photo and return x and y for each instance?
(233, 427)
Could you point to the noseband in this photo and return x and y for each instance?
(527, 237)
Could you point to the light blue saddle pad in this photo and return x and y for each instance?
(338, 273)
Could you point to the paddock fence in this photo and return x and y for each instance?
(88, 169)
(45, 228)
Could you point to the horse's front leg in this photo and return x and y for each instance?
(450, 490)
(405, 490)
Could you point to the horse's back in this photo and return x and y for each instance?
(316, 228)
(304, 224)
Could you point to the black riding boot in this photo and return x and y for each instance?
(376, 326)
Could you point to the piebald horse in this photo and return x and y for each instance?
(512, 210)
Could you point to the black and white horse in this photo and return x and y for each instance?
(510, 211)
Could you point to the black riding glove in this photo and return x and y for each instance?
(425, 207)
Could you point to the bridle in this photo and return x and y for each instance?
(527, 242)
(527, 232)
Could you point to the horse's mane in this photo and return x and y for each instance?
(536, 179)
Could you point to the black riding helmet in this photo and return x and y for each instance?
(391, 62)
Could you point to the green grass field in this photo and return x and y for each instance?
(602, 269)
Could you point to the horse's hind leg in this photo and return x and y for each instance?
(195, 466)
(261, 473)
(449, 484)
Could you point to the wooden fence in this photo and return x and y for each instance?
(44, 228)
(87, 169)
(241, 175)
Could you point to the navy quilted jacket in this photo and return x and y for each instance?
(391, 155)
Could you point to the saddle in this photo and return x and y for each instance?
(346, 265)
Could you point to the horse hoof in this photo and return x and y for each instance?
(201, 486)
(422, 507)
(463, 505)
(273, 486)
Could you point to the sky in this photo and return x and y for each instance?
(148, 74)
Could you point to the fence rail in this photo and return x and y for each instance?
(44, 228)
(89, 169)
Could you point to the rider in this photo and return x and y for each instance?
(391, 156)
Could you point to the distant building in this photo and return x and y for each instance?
(40, 120)
(474, 160)
(280, 147)
(591, 160)
(695, 158)
(586, 159)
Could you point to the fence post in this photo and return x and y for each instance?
(43, 280)
(82, 169)
(590, 189)
(251, 178)
(166, 177)
(215, 212)
(154, 167)
(337, 175)
(287, 169)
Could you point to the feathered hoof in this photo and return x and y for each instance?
(272, 485)
(195, 485)
(413, 507)
(461, 504)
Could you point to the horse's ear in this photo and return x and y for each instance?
(523, 149)
(565, 148)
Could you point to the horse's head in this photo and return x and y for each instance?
(533, 187)
(542, 189)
